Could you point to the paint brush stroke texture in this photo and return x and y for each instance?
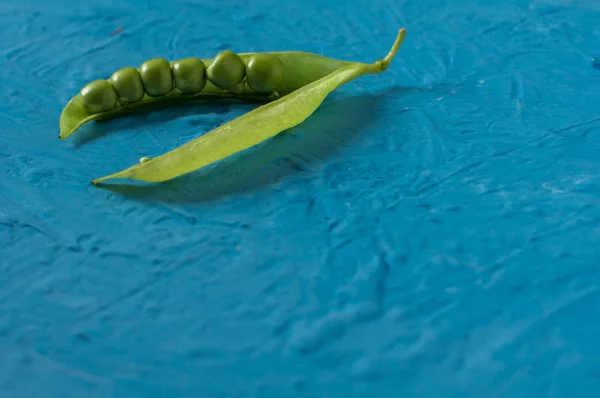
(429, 232)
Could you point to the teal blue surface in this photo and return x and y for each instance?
(429, 232)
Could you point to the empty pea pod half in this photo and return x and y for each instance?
(292, 84)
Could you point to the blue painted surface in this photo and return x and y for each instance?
(429, 232)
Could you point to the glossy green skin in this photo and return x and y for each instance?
(264, 73)
(99, 96)
(127, 82)
(189, 75)
(227, 70)
(301, 68)
(156, 77)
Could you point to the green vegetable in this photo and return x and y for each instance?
(253, 127)
(128, 85)
(98, 96)
(156, 77)
(227, 70)
(301, 68)
(264, 73)
(189, 75)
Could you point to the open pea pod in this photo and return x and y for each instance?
(297, 70)
(254, 127)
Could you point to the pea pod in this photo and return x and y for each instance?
(254, 127)
(300, 69)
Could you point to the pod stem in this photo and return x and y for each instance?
(384, 63)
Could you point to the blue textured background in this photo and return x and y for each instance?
(429, 232)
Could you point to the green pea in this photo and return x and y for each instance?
(189, 75)
(264, 73)
(226, 71)
(156, 77)
(127, 82)
(99, 96)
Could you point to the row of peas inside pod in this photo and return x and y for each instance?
(158, 77)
